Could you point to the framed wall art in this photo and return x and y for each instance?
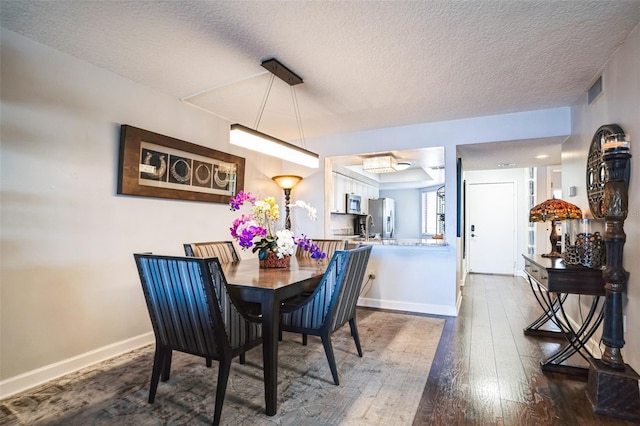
(154, 165)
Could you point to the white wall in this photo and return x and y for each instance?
(69, 286)
(618, 104)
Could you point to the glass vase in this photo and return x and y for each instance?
(584, 243)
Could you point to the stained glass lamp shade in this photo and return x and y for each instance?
(553, 210)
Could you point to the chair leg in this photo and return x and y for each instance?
(158, 368)
(304, 339)
(328, 349)
(243, 359)
(208, 362)
(354, 333)
(224, 368)
(167, 365)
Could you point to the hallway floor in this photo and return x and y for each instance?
(487, 372)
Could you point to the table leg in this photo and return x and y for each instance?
(577, 341)
(549, 308)
(270, 326)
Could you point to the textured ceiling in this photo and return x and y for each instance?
(365, 64)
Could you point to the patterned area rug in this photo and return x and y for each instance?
(381, 388)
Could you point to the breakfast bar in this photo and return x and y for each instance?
(409, 275)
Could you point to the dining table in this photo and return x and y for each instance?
(248, 282)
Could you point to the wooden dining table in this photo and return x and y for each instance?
(269, 287)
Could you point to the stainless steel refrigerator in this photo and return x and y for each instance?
(382, 219)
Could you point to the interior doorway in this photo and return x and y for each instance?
(491, 231)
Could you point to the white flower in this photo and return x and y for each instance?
(286, 245)
(312, 212)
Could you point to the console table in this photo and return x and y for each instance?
(551, 282)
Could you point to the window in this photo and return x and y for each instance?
(428, 204)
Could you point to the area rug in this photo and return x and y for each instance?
(381, 388)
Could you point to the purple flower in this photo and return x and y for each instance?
(240, 198)
(245, 229)
(308, 245)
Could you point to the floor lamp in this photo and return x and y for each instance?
(287, 182)
(613, 385)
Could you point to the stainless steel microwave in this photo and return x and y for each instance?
(353, 204)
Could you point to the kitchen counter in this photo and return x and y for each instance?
(399, 241)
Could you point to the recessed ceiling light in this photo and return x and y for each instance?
(402, 165)
(506, 164)
(541, 156)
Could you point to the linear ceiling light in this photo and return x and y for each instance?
(265, 144)
(256, 141)
(380, 164)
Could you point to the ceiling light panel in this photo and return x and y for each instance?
(380, 164)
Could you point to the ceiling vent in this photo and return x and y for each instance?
(594, 90)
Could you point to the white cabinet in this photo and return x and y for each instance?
(343, 185)
(369, 192)
(340, 189)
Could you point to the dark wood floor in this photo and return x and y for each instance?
(486, 372)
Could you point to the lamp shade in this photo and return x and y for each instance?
(554, 209)
(287, 181)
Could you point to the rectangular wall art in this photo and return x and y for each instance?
(154, 165)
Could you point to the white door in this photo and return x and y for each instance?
(491, 227)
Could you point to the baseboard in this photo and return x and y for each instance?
(41, 375)
(422, 308)
(458, 302)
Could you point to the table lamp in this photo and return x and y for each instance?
(287, 182)
(552, 210)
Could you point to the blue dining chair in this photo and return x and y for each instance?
(192, 312)
(332, 304)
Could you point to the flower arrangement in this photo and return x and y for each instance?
(258, 229)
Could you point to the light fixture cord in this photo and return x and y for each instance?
(264, 101)
(294, 97)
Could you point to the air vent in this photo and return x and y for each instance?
(594, 90)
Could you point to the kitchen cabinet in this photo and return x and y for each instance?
(343, 185)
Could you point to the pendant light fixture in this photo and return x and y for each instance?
(257, 141)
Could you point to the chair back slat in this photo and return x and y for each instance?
(327, 246)
(223, 250)
(347, 294)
